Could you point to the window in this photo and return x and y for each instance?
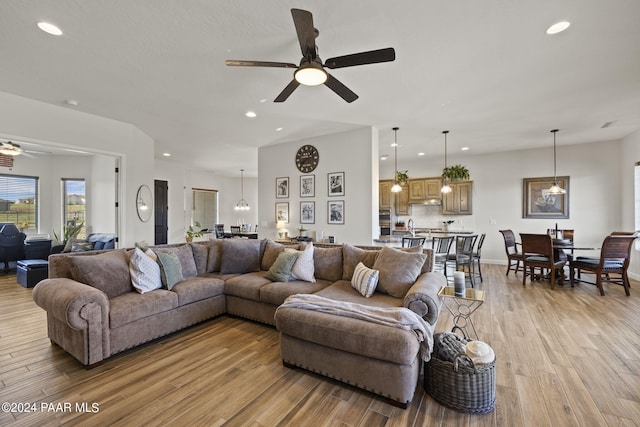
(74, 204)
(19, 201)
(205, 207)
(637, 200)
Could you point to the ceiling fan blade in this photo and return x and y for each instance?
(362, 58)
(303, 21)
(343, 91)
(287, 91)
(238, 63)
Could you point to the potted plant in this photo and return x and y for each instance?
(456, 173)
(400, 225)
(402, 177)
(68, 232)
(193, 232)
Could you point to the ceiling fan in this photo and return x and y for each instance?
(10, 149)
(311, 71)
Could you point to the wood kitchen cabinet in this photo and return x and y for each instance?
(458, 202)
(402, 206)
(385, 194)
(422, 190)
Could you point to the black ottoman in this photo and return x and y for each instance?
(31, 271)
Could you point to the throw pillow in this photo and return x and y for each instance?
(215, 254)
(70, 242)
(170, 269)
(352, 256)
(185, 255)
(271, 251)
(328, 263)
(145, 272)
(143, 244)
(81, 246)
(200, 256)
(281, 267)
(398, 270)
(303, 269)
(240, 256)
(108, 271)
(364, 280)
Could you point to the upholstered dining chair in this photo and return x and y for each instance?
(567, 234)
(614, 260)
(409, 242)
(514, 256)
(538, 253)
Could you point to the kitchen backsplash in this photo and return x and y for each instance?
(425, 216)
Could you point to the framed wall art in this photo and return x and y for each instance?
(282, 187)
(335, 212)
(282, 212)
(307, 185)
(538, 203)
(336, 183)
(307, 212)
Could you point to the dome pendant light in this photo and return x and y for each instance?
(396, 186)
(242, 204)
(445, 184)
(555, 189)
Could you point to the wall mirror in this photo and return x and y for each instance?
(204, 207)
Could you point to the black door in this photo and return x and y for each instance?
(161, 206)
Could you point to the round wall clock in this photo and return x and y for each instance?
(307, 158)
(144, 203)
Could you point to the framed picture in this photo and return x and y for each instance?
(307, 212)
(335, 212)
(282, 187)
(307, 185)
(336, 183)
(282, 212)
(538, 203)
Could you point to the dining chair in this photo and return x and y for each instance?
(409, 241)
(464, 255)
(441, 247)
(567, 234)
(477, 254)
(219, 229)
(235, 229)
(511, 249)
(538, 253)
(614, 259)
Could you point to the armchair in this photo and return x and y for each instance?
(11, 245)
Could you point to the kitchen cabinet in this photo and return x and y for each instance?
(422, 190)
(385, 194)
(402, 206)
(458, 202)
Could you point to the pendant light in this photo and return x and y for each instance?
(396, 186)
(445, 184)
(242, 204)
(555, 188)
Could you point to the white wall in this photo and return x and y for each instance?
(33, 121)
(629, 155)
(351, 152)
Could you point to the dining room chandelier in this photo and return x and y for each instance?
(242, 204)
(396, 188)
(555, 188)
(445, 183)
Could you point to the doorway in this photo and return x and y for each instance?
(161, 208)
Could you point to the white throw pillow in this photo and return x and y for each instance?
(145, 271)
(303, 269)
(364, 280)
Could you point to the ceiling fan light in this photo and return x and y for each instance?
(310, 74)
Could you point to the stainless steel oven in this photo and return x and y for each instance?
(384, 219)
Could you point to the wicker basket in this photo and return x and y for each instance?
(467, 389)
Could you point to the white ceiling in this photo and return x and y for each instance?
(486, 70)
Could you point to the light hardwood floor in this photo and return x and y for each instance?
(566, 357)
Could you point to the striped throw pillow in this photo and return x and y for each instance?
(364, 280)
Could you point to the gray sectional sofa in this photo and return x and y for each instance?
(94, 311)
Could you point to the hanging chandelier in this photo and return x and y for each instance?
(242, 204)
(555, 188)
(396, 188)
(445, 184)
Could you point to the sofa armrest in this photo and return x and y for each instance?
(423, 298)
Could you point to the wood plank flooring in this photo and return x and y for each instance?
(566, 357)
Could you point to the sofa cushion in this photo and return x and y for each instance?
(352, 256)
(276, 292)
(240, 256)
(343, 291)
(145, 271)
(194, 289)
(132, 306)
(328, 263)
(280, 270)
(246, 285)
(271, 251)
(69, 244)
(185, 255)
(200, 256)
(365, 280)
(304, 268)
(398, 270)
(170, 269)
(82, 246)
(107, 271)
(215, 255)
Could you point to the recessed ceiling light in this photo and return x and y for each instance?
(166, 154)
(394, 144)
(558, 27)
(49, 28)
(263, 100)
(383, 157)
(279, 129)
(250, 114)
(421, 154)
(71, 102)
(464, 149)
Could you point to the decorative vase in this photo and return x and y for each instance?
(458, 282)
